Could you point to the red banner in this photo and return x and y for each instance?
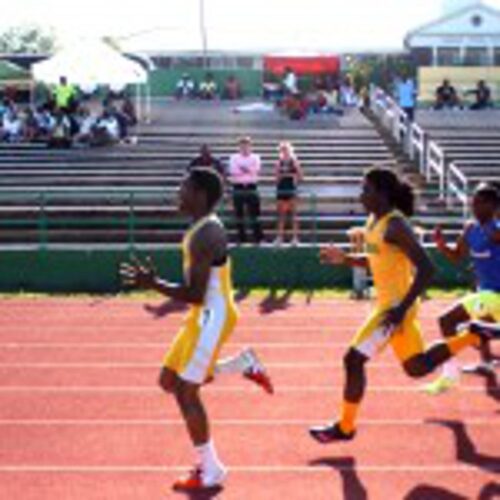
(302, 65)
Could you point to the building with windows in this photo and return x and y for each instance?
(463, 46)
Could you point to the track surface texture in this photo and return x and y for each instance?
(82, 417)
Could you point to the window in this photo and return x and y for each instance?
(497, 56)
(448, 56)
(476, 56)
(422, 56)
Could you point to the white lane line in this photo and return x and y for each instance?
(234, 388)
(162, 345)
(259, 469)
(480, 422)
(113, 365)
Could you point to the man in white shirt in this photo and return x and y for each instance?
(406, 93)
(244, 169)
(290, 82)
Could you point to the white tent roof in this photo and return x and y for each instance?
(90, 63)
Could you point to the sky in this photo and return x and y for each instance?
(337, 25)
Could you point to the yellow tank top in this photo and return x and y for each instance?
(220, 283)
(392, 271)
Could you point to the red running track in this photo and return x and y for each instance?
(81, 416)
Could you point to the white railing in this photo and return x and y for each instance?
(436, 164)
(457, 186)
(417, 146)
(453, 184)
(391, 116)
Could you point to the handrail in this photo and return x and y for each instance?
(436, 164)
(457, 187)
(418, 146)
(431, 158)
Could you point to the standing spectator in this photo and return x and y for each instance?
(185, 87)
(64, 95)
(406, 93)
(348, 96)
(207, 160)
(244, 169)
(446, 96)
(290, 82)
(483, 96)
(288, 174)
(208, 88)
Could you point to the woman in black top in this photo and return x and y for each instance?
(288, 174)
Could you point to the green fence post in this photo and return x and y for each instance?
(131, 222)
(42, 223)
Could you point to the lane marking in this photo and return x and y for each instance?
(112, 365)
(480, 422)
(235, 388)
(260, 469)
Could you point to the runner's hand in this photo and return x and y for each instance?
(137, 274)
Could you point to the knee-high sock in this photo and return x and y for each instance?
(348, 415)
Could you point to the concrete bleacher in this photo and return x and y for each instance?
(129, 192)
(470, 139)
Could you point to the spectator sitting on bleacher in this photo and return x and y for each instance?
(30, 125)
(128, 109)
(12, 125)
(295, 106)
(232, 89)
(60, 137)
(483, 96)
(185, 87)
(106, 131)
(446, 96)
(86, 123)
(207, 160)
(45, 122)
(208, 88)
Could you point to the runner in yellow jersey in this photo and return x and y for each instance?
(401, 271)
(193, 356)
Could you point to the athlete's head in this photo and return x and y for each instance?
(383, 188)
(286, 150)
(485, 202)
(200, 191)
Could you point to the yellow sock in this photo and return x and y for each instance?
(460, 342)
(348, 414)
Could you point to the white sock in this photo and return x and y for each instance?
(235, 364)
(208, 458)
(451, 369)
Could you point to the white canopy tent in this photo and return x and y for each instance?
(94, 63)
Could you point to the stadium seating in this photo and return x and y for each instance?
(127, 194)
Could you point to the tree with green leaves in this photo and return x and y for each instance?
(27, 40)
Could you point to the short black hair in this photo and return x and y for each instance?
(488, 192)
(208, 180)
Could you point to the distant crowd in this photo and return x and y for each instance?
(208, 89)
(66, 119)
(445, 96)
